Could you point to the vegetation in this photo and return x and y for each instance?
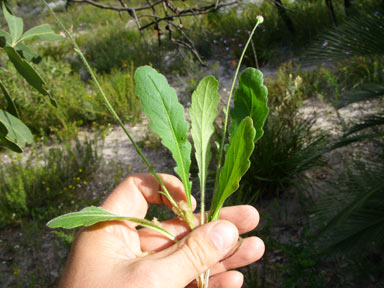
(37, 187)
(315, 213)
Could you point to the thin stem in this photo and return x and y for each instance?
(202, 205)
(255, 54)
(226, 111)
(184, 214)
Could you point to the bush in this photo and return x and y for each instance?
(78, 102)
(43, 185)
(229, 30)
(119, 87)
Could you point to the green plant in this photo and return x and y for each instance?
(14, 134)
(77, 104)
(360, 37)
(288, 148)
(351, 216)
(359, 70)
(227, 29)
(120, 86)
(290, 144)
(47, 183)
(160, 103)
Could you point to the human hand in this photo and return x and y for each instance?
(116, 254)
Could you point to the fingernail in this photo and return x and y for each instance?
(224, 235)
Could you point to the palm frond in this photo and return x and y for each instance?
(359, 36)
(353, 215)
(374, 121)
(364, 92)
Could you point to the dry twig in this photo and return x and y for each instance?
(163, 14)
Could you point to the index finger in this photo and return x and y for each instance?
(132, 196)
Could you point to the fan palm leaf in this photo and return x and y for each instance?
(359, 36)
(367, 91)
(354, 215)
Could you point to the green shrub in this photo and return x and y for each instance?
(112, 47)
(228, 30)
(285, 151)
(295, 85)
(355, 71)
(118, 47)
(120, 88)
(78, 103)
(47, 183)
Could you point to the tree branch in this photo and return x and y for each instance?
(166, 12)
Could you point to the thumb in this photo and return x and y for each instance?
(197, 252)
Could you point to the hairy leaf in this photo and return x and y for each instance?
(15, 24)
(161, 105)
(235, 166)
(92, 215)
(29, 74)
(203, 113)
(43, 32)
(13, 132)
(250, 100)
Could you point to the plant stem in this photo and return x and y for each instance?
(226, 111)
(184, 214)
(202, 281)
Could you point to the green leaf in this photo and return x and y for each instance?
(5, 38)
(29, 74)
(203, 113)
(92, 215)
(43, 32)
(235, 166)
(364, 92)
(15, 24)
(250, 100)
(27, 53)
(160, 104)
(11, 108)
(13, 132)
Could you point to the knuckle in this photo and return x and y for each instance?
(196, 253)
